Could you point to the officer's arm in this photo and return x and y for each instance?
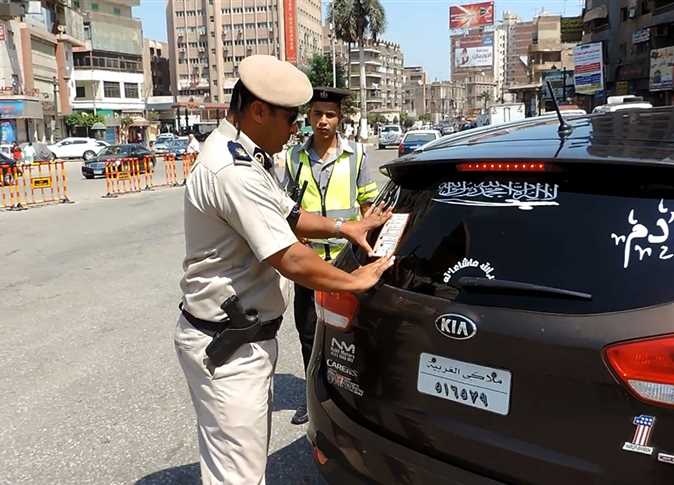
(302, 265)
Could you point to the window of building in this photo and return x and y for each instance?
(76, 3)
(131, 90)
(94, 7)
(80, 92)
(116, 11)
(211, 18)
(111, 89)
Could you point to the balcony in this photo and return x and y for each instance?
(545, 47)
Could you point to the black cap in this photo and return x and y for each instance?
(331, 95)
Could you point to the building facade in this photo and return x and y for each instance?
(156, 72)
(519, 36)
(108, 77)
(383, 77)
(208, 40)
(637, 37)
(414, 91)
(445, 100)
(36, 64)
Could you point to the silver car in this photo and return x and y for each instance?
(390, 135)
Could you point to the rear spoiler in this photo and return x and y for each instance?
(417, 168)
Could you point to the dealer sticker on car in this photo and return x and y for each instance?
(465, 383)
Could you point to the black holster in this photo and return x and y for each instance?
(237, 329)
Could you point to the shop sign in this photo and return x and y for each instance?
(641, 35)
(622, 88)
(662, 69)
(3, 33)
(589, 71)
(11, 108)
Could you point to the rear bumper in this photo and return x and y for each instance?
(356, 455)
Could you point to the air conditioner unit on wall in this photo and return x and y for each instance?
(12, 8)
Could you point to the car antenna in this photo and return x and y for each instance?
(564, 129)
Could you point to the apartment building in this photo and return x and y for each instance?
(156, 72)
(383, 76)
(35, 69)
(208, 40)
(547, 51)
(637, 38)
(108, 75)
(445, 100)
(414, 91)
(519, 36)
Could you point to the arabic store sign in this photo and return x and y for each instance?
(641, 35)
(662, 69)
(589, 71)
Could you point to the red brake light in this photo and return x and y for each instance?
(496, 166)
(336, 308)
(646, 367)
(401, 149)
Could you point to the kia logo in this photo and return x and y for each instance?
(456, 326)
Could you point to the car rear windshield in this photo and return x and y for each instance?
(386, 129)
(419, 137)
(599, 233)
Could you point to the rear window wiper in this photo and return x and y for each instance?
(485, 284)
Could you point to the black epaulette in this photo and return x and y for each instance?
(239, 154)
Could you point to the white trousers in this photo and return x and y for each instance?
(233, 407)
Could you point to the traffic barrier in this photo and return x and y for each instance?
(127, 175)
(131, 175)
(31, 185)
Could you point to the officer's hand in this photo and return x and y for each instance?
(368, 275)
(357, 231)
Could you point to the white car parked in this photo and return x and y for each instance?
(86, 148)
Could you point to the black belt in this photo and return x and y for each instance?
(268, 329)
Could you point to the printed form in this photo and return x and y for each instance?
(390, 235)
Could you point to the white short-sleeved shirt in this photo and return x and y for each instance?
(235, 218)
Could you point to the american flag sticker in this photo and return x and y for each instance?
(642, 433)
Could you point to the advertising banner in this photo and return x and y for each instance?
(589, 71)
(662, 69)
(290, 26)
(471, 15)
(562, 85)
(476, 50)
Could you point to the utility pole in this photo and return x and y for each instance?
(334, 57)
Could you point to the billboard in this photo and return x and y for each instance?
(662, 69)
(290, 29)
(589, 71)
(471, 15)
(562, 85)
(474, 50)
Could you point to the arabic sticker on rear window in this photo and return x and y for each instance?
(642, 242)
(494, 193)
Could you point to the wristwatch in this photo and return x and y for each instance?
(338, 226)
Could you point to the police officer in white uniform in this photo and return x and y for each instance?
(241, 234)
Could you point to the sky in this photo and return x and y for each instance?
(419, 26)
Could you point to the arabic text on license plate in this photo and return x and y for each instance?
(465, 383)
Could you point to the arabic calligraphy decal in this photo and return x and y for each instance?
(523, 195)
(486, 268)
(641, 243)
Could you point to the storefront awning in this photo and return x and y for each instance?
(140, 122)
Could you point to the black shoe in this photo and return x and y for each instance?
(301, 415)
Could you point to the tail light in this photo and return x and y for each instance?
(401, 149)
(646, 367)
(496, 166)
(336, 308)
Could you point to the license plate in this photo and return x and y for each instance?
(98, 172)
(469, 384)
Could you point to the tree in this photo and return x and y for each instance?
(426, 118)
(319, 71)
(124, 124)
(82, 120)
(358, 21)
(485, 96)
(406, 120)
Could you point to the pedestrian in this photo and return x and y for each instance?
(340, 186)
(29, 154)
(241, 235)
(193, 145)
(17, 155)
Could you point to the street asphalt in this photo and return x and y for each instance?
(92, 390)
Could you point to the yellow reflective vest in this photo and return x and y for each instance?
(342, 196)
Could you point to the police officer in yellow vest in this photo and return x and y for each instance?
(340, 186)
